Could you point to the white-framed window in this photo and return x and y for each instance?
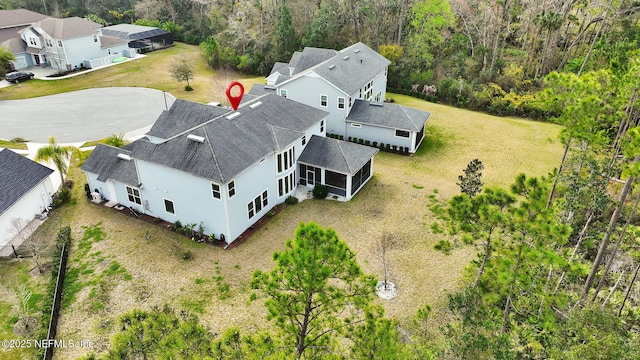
(324, 99)
(260, 202)
(168, 206)
(341, 102)
(48, 42)
(304, 139)
(354, 125)
(368, 89)
(95, 38)
(402, 133)
(283, 92)
(215, 191)
(32, 41)
(286, 159)
(108, 51)
(232, 189)
(321, 126)
(378, 96)
(286, 184)
(60, 43)
(350, 102)
(133, 195)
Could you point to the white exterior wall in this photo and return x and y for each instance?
(381, 135)
(105, 189)
(77, 50)
(31, 204)
(115, 50)
(307, 90)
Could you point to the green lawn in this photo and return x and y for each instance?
(133, 264)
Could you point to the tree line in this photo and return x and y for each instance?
(490, 55)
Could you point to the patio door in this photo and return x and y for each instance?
(311, 177)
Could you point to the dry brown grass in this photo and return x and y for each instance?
(394, 201)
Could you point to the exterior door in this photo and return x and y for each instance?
(311, 177)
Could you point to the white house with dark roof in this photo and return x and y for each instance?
(25, 191)
(66, 44)
(351, 85)
(225, 169)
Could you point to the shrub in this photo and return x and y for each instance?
(341, 137)
(367, 142)
(188, 88)
(382, 147)
(177, 227)
(69, 184)
(291, 200)
(61, 197)
(320, 192)
(186, 255)
(388, 147)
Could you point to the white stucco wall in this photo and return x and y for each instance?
(32, 203)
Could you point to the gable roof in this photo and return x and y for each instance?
(104, 162)
(68, 27)
(230, 143)
(336, 155)
(19, 17)
(347, 69)
(387, 115)
(18, 176)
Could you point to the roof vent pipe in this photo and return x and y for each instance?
(195, 138)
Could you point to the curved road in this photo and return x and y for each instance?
(82, 115)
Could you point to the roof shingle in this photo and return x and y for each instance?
(18, 176)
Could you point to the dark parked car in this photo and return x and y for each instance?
(18, 76)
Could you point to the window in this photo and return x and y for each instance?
(283, 92)
(32, 41)
(232, 189)
(215, 190)
(368, 90)
(60, 43)
(322, 126)
(95, 38)
(323, 100)
(356, 125)
(259, 203)
(378, 96)
(402, 133)
(286, 184)
(48, 42)
(286, 160)
(134, 195)
(168, 206)
(108, 51)
(304, 139)
(340, 103)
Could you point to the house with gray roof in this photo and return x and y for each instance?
(225, 169)
(140, 37)
(65, 44)
(349, 84)
(25, 191)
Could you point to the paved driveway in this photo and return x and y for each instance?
(82, 115)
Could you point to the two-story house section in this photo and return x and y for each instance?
(336, 81)
(331, 80)
(213, 166)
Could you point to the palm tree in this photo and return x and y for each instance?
(57, 154)
(6, 57)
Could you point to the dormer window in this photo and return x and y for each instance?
(60, 43)
(32, 41)
(48, 42)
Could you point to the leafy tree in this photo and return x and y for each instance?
(470, 182)
(376, 338)
(116, 140)
(182, 70)
(286, 40)
(6, 57)
(210, 49)
(314, 289)
(57, 154)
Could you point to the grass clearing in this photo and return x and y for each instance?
(214, 283)
(13, 145)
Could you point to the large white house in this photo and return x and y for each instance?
(226, 169)
(351, 85)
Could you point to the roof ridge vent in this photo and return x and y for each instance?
(255, 105)
(376, 103)
(195, 138)
(346, 57)
(124, 157)
(331, 67)
(233, 116)
(356, 51)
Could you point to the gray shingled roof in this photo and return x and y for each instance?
(105, 163)
(387, 115)
(336, 155)
(259, 90)
(68, 28)
(183, 115)
(18, 176)
(131, 32)
(347, 69)
(19, 17)
(231, 145)
(108, 41)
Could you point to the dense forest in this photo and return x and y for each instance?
(558, 257)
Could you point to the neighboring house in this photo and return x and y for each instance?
(25, 191)
(345, 83)
(140, 37)
(225, 169)
(65, 44)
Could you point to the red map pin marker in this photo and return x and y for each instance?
(234, 100)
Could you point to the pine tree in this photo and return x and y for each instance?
(470, 183)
